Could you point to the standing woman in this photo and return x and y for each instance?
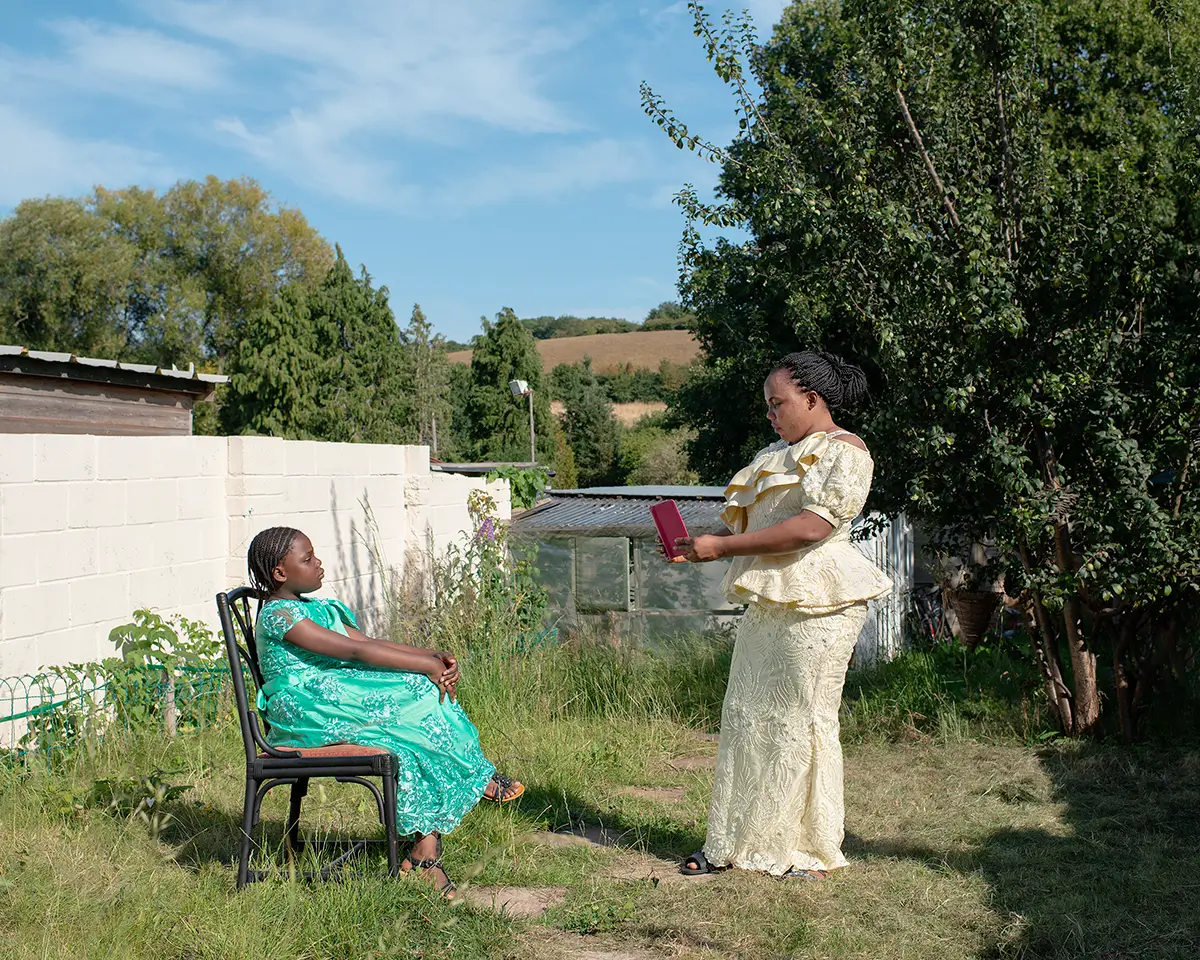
(777, 801)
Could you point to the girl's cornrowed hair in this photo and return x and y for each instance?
(266, 552)
(840, 384)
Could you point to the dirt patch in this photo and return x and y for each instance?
(645, 866)
(655, 794)
(584, 836)
(556, 945)
(525, 902)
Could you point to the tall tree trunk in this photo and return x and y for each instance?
(1083, 660)
(1045, 642)
(1121, 674)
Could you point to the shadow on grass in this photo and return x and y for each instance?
(569, 813)
(1121, 882)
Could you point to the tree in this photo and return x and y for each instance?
(274, 373)
(497, 421)
(652, 454)
(588, 422)
(992, 204)
(669, 315)
(430, 373)
(324, 364)
(134, 275)
(363, 392)
(63, 280)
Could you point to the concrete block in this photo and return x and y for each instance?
(84, 644)
(18, 658)
(18, 560)
(124, 549)
(271, 485)
(66, 555)
(256, 455)
(300, 458)
(152, 501)
(34, 610)
(212, 456)
(100, 599)
(214, 539)
(501, 492)
(417, 490)
(202, 498)
(179, 542)
(65, 457)
(416, 460)
(97, 503)
(385, 459)
(155, 589)
(385, 492)
(304, 494)
(33, 507)
(339, 459)
(17, 452)
(127, 458)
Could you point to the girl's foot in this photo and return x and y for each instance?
(795, 873)
(426, 856)
(503, 789)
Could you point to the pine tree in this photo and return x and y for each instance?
(364, 394)
(591, 429)
(499, 422)
(429, 371)
(273, 372)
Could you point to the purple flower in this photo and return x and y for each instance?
(487, 530)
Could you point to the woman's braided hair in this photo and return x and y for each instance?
(266, 552)
(839, 384)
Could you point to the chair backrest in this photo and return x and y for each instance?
(233, 610)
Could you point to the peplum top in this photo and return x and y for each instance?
(828, 477)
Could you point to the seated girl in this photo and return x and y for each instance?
(326, 682)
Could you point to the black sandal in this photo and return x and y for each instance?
(435, 863)
(702, 866)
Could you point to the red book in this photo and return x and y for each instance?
(670, 527)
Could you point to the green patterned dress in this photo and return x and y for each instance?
(311, 700)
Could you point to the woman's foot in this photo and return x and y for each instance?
(503, 789)
(697, 865)
(426, 856)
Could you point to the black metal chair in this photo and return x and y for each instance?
(268, 767)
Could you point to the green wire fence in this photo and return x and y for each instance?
(68, 707)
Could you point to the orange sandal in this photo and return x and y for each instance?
(502, 785)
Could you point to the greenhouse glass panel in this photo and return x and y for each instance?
(601, 573)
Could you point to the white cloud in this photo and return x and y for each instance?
(38, 160)
(561, 170)
(129, 62)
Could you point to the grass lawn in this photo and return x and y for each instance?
(967, 843)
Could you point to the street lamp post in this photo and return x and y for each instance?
(520, 388)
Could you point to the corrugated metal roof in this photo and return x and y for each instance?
(146, 369)
(662, 492)
(590, 514)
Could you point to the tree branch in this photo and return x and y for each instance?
(947, 202)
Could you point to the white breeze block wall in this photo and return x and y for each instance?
(92, 528)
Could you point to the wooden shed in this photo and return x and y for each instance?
(42, 392)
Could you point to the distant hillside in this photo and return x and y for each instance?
(611, 351)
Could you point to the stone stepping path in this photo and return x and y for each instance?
(690, 763)
(524, 902)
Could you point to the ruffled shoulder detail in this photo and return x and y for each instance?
(781, 464)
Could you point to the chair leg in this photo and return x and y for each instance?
(249, 811)
(390, 781)
(292, 841)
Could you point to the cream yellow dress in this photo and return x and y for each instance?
(777, 798)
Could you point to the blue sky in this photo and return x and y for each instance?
(473, 154)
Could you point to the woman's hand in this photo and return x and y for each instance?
(701, 549)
